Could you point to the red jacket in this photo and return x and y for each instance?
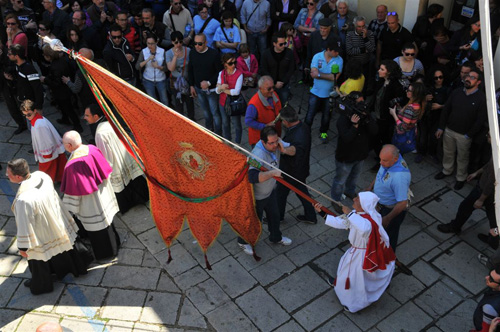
(242, 65)
(265, 114)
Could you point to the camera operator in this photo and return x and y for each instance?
(355, 127)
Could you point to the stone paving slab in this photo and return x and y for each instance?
(262, 309)
(131, 277)
(407, 318)
(292, 292)
(8, 286)
(229, 317)
(319, 311)
(23, 299)
(69, 302)
(379, 310)
(232, 277)
(459, 317)
(207, 296)
(339, 323)
(461, 264)
(273, 270)
(190, 316)
(437, 300)
(123, 304)
(404, 287)
(32, 320)
(160, 308)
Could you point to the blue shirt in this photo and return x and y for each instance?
(322, 88)
(233, 36)
(209, 29)
(391, 184)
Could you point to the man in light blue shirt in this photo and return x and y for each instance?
(324, 82)
(256, 19)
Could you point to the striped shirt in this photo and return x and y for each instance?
(360, 48)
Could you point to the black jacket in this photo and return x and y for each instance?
(277, 7)
(281, 71)
(354, 143)
(115, 57)
(58, 68)
(28, 85)
(297, 165)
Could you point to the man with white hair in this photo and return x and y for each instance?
(88, 194)
(367, 267)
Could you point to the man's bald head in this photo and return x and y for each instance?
(388, 155)
(87, 53)
(72, 140)
(49, 327)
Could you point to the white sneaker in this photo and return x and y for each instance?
(247, 249)
(285, 241)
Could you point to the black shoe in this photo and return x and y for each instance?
(448, 228)
(20, 130)
(403, 268)
(303, 218)
(492, 241)
(331, 281)
(459, 185)
(27, 283)
(440, 176)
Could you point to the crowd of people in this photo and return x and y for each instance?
(381, 86)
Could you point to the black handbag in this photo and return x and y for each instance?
(235, 105)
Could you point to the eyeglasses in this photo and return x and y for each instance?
(175, 42)
(176, 3)
(473, 77)
(198, 43)
(11, 23)
(281, 44)
(438, 77)
(231, 63)
(116, 37)
(492, 280)
(392, 14)
(310, 3)
(270, 89)
(27, 115)
(409, 54)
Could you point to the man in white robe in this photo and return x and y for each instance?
(366, 269)
(88, 194)
(127, 178)
(47, 143)
(46, 232)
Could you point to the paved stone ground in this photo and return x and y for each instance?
(285, 291)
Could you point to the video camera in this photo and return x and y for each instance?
(349, 106)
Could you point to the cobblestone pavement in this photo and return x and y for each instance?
(286, 291)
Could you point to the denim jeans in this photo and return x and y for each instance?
(346, 176)
(283, 94)
(160, 86)
(210, 105)
(393, 228)
(238, 129)
(317, 104)
(270, 205)
(257, 40)
(226, 123)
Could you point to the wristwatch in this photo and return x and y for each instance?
(319, 74)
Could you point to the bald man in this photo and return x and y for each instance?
(88, 194)
(391, 185)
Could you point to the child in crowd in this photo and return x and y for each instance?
(248, 64)
(292, 40)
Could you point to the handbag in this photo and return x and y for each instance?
(235, 105)
(405, 142)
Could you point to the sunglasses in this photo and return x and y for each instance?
(409, 54)
(392, 14)
(231, 63)
(177, 42)
(176, 3)
(310, 3)
(281, 44)
(11, 23)
(493, 280)
(116, 37)
(198, 43)
(438, 77)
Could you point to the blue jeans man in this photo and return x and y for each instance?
(257, 40)
(317, 104)
(209, 103)
(346, 176)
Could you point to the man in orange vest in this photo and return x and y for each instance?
(262, 110)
